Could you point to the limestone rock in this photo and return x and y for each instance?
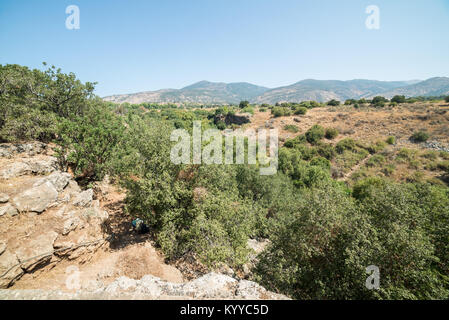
(70, 225)
(15, 169)
(57, 178)
(8, 209)
(42, 166)
(36, 199)
(4, 198)
(84, 199)
(9, 261)
(39, 250)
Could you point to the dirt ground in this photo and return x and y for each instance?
(367, 123)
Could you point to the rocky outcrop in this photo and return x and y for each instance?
(84, 199)
(62, 229)
(36, 199)
(36, 252)
(8, 209)
(209, 286)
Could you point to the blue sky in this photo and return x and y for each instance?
(136, 45)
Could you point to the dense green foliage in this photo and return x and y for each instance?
(323, 233)
(420, 136)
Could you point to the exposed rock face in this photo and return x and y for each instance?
(15, 170)
(9, 270)
(8, 150)
(28, 166)
(84, 198)
(36, 199)
(58, 179)
(64, 225)
(210, 286)
(39, 250)
(8, 209)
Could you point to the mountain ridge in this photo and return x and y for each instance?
(207, 92)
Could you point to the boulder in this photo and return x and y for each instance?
(42, 166)
(83, 199)
(4, 198)
(14, 170)
(36, 199)
(10, 269)
(37, 251)
(8, 209)
(57, 178)
(209, 286)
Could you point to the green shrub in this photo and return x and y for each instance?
(398, 99)
(333, 103)
(281, 111)
(321, 162)
(291, 128)
(375, 161)
(326, 150)
(444, 165)
(391, 140)
(331, 133)
(345, 144)
(315, 134)
(301, 111)
(420, 136)
(446, 99)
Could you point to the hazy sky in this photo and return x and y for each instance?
(136, 45)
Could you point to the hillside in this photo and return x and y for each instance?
(205, 92)
(437, 86)
(325, 90)
(200, 92)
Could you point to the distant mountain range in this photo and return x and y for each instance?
(205, 92)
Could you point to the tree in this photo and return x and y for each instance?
(243, 104)
(315, 134)
(398, 99)
(333, 102)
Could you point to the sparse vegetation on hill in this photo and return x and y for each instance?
(326, 221)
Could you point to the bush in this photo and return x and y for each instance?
(326, 150)
(375, 161)
(315, 134)
(331, 133)
(420, 136)
(398, 99)
(243, 104)
(345, 144)
(391, 140)
(301, 111)
(333, 103)
(291, 128)
(281, 111)
(446, 99)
